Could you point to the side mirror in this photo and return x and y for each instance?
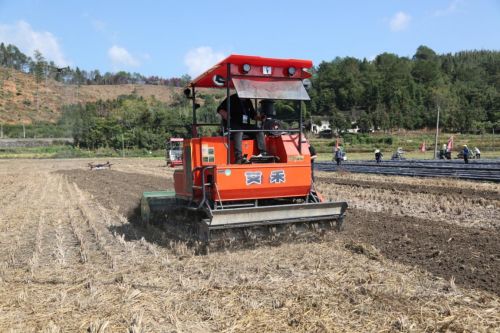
(307, 84)
(218, 80)
(187, 92)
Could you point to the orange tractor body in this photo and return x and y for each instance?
(213, 192)
(291, 177)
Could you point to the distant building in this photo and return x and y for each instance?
(324, 126)
(354, 128)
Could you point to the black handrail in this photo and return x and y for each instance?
(207, 124)
(228, 109)
(195, 125)
(266, 130)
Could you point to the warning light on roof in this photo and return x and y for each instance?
(246, 68)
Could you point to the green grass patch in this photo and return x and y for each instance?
(65, 151)
(357, 147)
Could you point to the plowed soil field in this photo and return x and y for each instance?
(416, 255)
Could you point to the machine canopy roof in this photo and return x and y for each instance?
(270, 89)
(278, 66)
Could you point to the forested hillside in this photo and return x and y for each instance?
(24, 100)
(135, 122)
(41, 68)
(389, 92)
(397, 92)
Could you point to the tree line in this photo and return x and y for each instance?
(131, 121)
(12, 57)
(388, 92)
(392, 92)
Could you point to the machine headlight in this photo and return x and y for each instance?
(291, 71)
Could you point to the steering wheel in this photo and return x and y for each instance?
(272, 124)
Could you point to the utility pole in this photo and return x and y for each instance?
(37, 103)
(311, 115)
(437, 134)
(493, 137)
(123, 147)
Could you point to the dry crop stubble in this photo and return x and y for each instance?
(159, 285)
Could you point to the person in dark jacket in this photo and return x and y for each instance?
(242, 111)
(378, 155)
(312, 151)
(338, 156)
(466, 153)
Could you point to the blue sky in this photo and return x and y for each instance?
(172, 38)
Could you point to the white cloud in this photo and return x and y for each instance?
(98, 25)
(27, 40)
(121, 57)
(452, 7)
(399, 21)
(201, 59)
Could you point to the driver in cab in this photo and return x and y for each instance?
(242, 111)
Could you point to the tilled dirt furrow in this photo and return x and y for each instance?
(159, 169)
(112, 229)
(425, 184)
(105, 227)
(425, 188)
(117, 190)
(449, 208)
(470, 257)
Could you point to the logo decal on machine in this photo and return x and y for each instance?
(277, 176)
(253, 177)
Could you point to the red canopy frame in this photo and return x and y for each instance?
(251, 68)
(233, 65)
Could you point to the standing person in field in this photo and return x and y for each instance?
(466, 153)
(338, 156)
(378, 155)
(478, 152)
(312, 151)
(342, 152)
(442, 152)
